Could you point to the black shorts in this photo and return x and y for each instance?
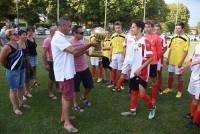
(51, 72)
(135, 82)
(85, 77)
(105, 62)
(153, 70)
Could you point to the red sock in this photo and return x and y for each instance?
(193, 109)
(93, 71)
(120, 82)
(153, 92)
(180, 85)
(114, 75)
(159, 84)
(196, 118)
(100, 72)
(134, 99)
(170, 82)
(147, 100)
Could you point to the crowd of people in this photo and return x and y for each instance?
(134, 57)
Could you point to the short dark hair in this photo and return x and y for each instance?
(29, 28)
(139, 24)
(75, 28)
(149, 22)
(62, 20)
(21, 31)
(118, 23)
(180, 24)
(158, 25)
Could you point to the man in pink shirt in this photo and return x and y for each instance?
(156, 44)
(83, 73)
(48, 62)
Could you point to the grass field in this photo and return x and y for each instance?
(102, 118)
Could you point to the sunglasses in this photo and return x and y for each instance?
(15, 34)
(80, 33)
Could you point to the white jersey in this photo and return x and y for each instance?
(128, 43)
(141, 51)
(194, 85)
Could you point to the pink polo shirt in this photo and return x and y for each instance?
(47, 45)
(79, 61)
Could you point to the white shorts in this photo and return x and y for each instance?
(94, 61)
(126, 67)
(194, 87)
(159, 65)
(174, 69)
(116, 61)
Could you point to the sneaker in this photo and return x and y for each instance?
(152, 113)
(179, 94)
(86, 102)
(167, 90)
(192, 125)
(110, 86)
(128, 113)
(18, 112)
(25, 106)
(188, 116)
(78, 109)
(114, 90)
(122, 87)
(160, 92)
(99, 80)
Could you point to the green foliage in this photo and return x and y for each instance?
(183, 16)
(7, 8)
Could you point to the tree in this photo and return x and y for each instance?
(183, 16)
(7, 10)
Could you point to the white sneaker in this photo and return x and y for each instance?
(152, 113)
(128, 113)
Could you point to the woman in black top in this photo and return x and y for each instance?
(32, 53)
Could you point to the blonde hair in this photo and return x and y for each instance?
(9, 32)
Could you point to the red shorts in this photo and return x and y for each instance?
(67, 89)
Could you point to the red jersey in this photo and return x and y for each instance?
(156, 45)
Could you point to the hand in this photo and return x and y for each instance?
(46, 67)
(193, 63)
(180, 65)
(137, 72)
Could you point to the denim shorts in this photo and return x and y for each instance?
(33, 60)
(15, 79)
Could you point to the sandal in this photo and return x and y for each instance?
(86, 102)
(70, 129)
(78, 109)
(53, 97)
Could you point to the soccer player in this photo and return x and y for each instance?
(48, 62)
(128, 56)
(117, 49)
(83, 73)
(106, 57)
(64, 69)
(96, 62)
(160, 62)
(178, 50)
(156, 44)
(194, 89)
(142, 57)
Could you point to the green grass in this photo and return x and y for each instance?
(102, 118)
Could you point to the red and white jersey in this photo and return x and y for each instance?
(142, 50)
(128, 44)
(194, 84)
(163, 40)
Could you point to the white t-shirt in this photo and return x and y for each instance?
(64, 68)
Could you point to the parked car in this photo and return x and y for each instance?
(42, 31)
